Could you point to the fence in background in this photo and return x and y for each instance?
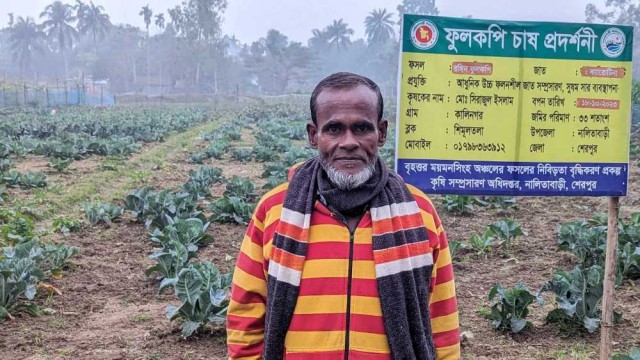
(66, 93)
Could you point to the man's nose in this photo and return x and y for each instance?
(349, 141)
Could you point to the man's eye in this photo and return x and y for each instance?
(363, 128)
(333, 129)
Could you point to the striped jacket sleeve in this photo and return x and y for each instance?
(443, 307)
(245, 316)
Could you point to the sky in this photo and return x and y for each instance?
(249, 20)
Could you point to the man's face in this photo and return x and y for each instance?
(347, 134)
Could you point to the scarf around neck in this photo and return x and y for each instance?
(352, 202)
(401, 252)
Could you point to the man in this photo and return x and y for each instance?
(344, 261)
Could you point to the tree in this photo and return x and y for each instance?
(198, 23)
(275, 61)
(625, 12)
(378, 26)
(10, 19)
(338, 34)
(160, 24)
(160, 21)
(319, 40)
(58, 29)
(418, 7)
(25, 37)
(92, 20)
(117, 56)
(147, 15)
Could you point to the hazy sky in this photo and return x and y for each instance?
(249, 20)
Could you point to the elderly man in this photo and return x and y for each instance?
(345, 260)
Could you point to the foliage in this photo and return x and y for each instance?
(33, 180)
(459, 204)
(197, 158)
(15, 227)
(25, 263)
(618, 12)
(379, 26)
(204, 293)
(506, 230)
(6, 164)
(153, 208)
(60, 165)
(271, 141)
(578, 294)
(297, 155)
(3, 193)
(77, 133)
(200, 181)
(216, 150)
(388, 153)
(587, 243)
(56, 256)
(454, 249)
(275, 173)
(18, 276)
(172, 257)
(241, 188)
(242, 154)
(231, 209)
(65, 224)
(102, 212)
(27, 180)
(482, 244)
(502, 203)
(189, 232)
(510, 307)
(263, 154)
(634, 354)
(587, 240)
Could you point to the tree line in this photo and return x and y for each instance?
(188, 51)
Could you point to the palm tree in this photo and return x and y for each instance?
(338, 34)
(25, 37)
(160, 24)
(147, 14)
(319, 40)
(378, 26)
(92, 20)
(160, 21)
(58, 28)
(10, 19)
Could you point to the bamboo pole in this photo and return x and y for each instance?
(609, 280)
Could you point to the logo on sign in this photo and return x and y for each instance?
(424, 34)
(612, 42)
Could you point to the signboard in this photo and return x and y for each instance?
(514, 108)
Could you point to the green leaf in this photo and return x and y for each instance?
(190, 327)
(3, 313)
(166, 282)
(189, 285)
(517, 325)
(591, 324)
(493, 292)
(172, 311)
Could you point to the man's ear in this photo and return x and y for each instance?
(382, 132)
(312, 133)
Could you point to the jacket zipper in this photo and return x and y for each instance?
(349, 281)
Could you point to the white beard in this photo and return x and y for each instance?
(345, 181)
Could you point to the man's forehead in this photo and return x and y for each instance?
(358, 96)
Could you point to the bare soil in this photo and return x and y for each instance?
(110, 310)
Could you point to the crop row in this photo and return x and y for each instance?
(76, 133)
